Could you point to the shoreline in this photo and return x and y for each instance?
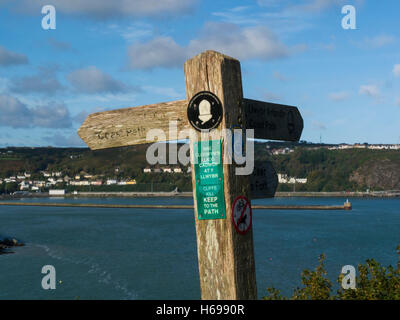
(340, 194)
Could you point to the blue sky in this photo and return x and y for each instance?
(106, 55)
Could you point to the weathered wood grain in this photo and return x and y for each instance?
(273, 121)
(226, 258)
(263, 180)
(129, 126)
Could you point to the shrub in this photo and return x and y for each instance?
(375, 282)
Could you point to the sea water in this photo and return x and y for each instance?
(151, 253)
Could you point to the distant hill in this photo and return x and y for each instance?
(326, 170)
(342, 170)
(378, 174)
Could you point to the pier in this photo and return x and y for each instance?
(346, 206)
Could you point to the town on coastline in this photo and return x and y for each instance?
(301, 167)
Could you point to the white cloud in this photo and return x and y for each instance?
(45, 81)
(52, 115)
(61, 140)
(93, 80)
(396, 70)
(319, 125)
(317, 5)
(303, 6)
(59, 45)
(269, 3)
(8, 58)
(170, 93)
(271, 97)
(241, 43)
(105, 9)
(159, 52)
(279, 76)
(370, 91)
(377, 41)
(339, 96)
(14, 113)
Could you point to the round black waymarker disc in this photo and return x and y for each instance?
(204, 111)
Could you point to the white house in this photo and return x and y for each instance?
(56, 192)
(283, 178)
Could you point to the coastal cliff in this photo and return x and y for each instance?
(381, 174)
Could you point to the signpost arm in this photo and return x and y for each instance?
(225, 257)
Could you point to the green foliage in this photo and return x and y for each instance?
(329, 170)
(8, 187)
(326, 170)
(117, 163)
(373, 282)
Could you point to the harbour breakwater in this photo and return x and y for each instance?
(338, 194)
(346, 206)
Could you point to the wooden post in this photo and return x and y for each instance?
(225, 257)
(225, 251)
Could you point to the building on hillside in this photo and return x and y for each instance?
(177, 170)
(282, 151)
(147, 170)
(39, 184)
(284, 178)
(55, 192)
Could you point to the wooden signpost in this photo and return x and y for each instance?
(263, 180)
(223, 215)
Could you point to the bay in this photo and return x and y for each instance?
(151, 254)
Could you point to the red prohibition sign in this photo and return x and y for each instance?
(242, 214)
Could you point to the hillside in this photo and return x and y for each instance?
(342, 170)
(378, 174)
(326, 170)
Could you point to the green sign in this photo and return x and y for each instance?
(209, 180)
